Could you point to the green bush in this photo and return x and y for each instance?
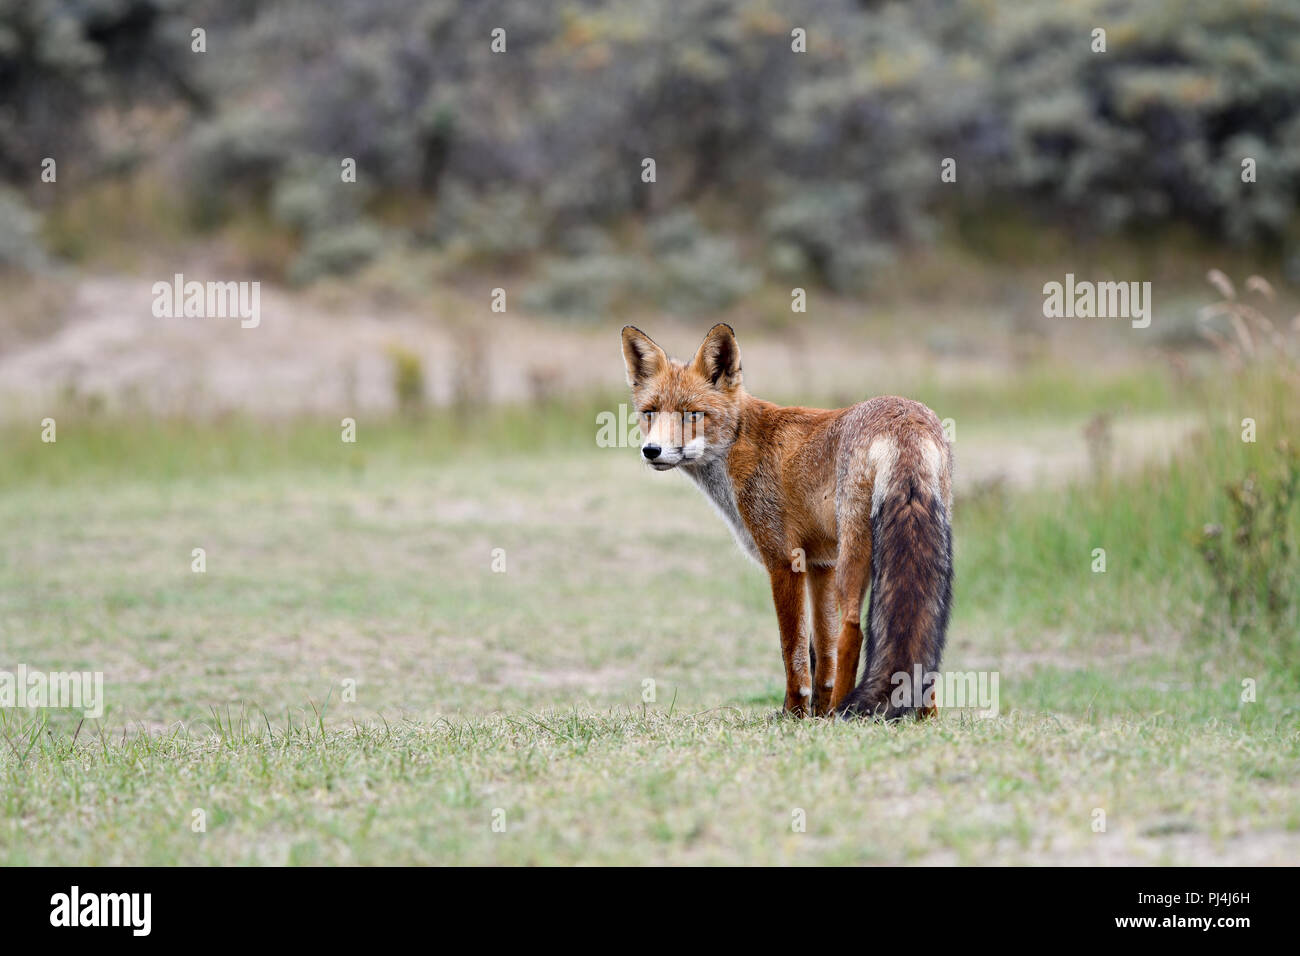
(1252, 558)
(586, 287)
(336, 251)
(501, 223)
(20, 241)
(686, 270)
(833, 155)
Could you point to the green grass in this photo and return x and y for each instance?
(95, 446)
(650, 787)
(523, 691)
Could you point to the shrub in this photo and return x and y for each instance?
(20, 240)
(336, 251)
(586, 287)
(408, 379)
(1252, 558)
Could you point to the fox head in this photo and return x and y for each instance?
(688, 412)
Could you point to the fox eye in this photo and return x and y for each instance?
(647, 415)
(694, 416)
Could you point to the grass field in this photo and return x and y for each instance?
(518, 698)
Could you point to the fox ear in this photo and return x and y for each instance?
(718, 359)
(642, 357)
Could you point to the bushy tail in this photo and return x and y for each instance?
(911, 592)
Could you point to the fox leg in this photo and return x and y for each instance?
(821, 593)
(852, 572)
(788, 596)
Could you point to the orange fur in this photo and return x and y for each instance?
(806, 479)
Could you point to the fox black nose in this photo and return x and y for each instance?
(651, 451)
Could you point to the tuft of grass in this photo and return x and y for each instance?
(408, 379)
(1251, 561)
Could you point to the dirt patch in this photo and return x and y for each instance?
(105, 349)
(103, 345)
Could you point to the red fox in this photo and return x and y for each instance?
(865, 492)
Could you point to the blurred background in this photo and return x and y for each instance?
(521, 170)
(1168, 154)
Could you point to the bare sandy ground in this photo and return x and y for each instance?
(304, 357)
(109, 351)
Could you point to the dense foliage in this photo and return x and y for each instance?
(831, 156)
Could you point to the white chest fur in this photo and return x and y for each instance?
(716, 484)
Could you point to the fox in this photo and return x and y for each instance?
(828, 502)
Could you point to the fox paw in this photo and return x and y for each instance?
(786, 713)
